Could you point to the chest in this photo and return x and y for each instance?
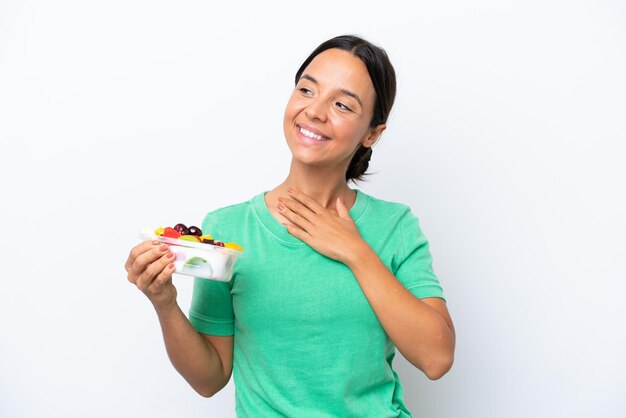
(299, 291)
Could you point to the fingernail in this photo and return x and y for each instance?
(155, 242)
(171, 266)
(170, 255)
(281, 199)
(290, 190)
(280, 206)
(163, 247)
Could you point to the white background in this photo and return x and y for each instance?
(507, 140)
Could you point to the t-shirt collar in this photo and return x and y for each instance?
(279, 231)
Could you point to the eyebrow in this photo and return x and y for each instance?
(344, 91)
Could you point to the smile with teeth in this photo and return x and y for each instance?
(312, 135)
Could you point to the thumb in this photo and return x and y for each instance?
(342, 210)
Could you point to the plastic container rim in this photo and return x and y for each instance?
(190, 244)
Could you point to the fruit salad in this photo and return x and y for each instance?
(198, 254)
(193, 234)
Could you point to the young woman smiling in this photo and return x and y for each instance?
(333, 280)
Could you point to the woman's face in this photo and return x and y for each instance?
(329, 112)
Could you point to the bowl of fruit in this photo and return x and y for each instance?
(197, 254)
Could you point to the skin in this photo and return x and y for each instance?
(333, 98)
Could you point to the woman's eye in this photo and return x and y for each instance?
(343, 106)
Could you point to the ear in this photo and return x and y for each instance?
(372, 137)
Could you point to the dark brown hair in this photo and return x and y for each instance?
(383, 78)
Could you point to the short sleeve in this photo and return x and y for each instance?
(415, 270)
(211, 309)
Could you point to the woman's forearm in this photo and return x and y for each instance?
(191, 354)
(420, 332)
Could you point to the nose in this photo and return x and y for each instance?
(316, 110)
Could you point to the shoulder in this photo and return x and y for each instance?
(388, 209)
(391, 217)
(229, 215)
(230, 210)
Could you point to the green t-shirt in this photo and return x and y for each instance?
(306, 341)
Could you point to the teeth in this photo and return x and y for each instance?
(312, 135)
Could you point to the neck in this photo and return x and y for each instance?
(321, 183)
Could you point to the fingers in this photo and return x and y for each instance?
(154, 270)
(142, 257)
(295, 218)
(161, 279)
(307, 201)
(298, 233)
(295, 211)
(147, 258)
(137, 251)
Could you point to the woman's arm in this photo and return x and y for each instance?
(204, 361)
(421, 329)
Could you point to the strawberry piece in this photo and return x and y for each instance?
(171, 233)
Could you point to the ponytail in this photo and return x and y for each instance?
(359, 164)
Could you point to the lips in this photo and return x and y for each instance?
(310, 133)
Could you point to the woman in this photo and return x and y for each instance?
(332, 280)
